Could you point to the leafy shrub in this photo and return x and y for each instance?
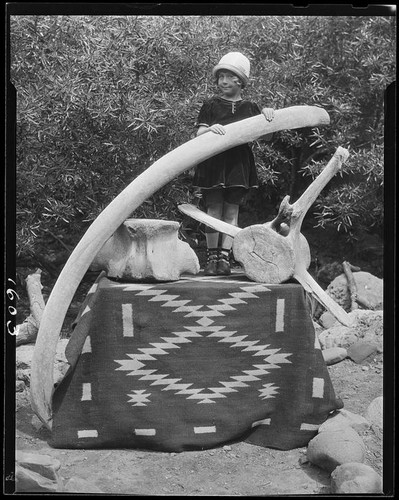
(100, 98)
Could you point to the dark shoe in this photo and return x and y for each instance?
(223, 267)
(224, 263)
(211, 266)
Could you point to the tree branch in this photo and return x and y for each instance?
(27, 331)
(351, 284)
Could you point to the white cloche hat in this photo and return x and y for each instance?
(235, 62)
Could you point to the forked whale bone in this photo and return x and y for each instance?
(277, 251)
(142, 187)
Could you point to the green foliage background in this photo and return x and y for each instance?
(100, 98)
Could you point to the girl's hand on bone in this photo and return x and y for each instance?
(268, 113)
(217, 129)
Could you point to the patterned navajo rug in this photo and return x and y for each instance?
(191, 365)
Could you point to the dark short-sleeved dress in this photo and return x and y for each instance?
(236, 166)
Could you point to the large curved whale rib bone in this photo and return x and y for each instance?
(276, 251)
(145, 185)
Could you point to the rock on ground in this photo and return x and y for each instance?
(374, 415)
(28, 481)
(361, 350)
(355, 478)
(334, 355)
(368, 286)
(42, 464)
(327, 320)
(331, 448)
(24, 354)
(366, 325)
(35, 472)
(344, 418)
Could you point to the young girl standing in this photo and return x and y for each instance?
(225, 179)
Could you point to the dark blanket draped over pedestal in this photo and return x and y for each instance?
(192, 364)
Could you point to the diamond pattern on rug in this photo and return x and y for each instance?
(140, 366)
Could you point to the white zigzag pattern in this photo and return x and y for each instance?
(134, 365)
